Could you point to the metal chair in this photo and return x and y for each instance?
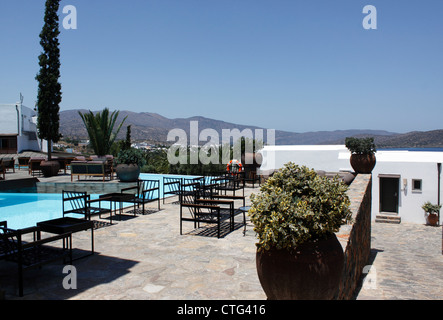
(81, 203)
(146, 191)
(34, 253)
(204, 210)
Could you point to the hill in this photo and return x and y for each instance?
(152, 127)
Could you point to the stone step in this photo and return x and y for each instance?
(386, 218)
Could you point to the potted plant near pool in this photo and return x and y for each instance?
(295, 216)
(129, 162)
(362, 154)
(431, 211)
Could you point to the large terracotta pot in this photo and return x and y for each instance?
(127, 172)
(310, 272)
(363, 163)
(50, 168)
(432, 219)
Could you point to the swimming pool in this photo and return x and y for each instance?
(23, 210)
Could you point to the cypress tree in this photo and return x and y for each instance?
(49, 88)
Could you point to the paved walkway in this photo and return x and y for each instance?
(145, 257)
(408, 263)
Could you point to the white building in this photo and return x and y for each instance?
(402, 180)
(18, 129)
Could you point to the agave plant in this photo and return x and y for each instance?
(100, 127)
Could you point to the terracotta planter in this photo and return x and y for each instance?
(50, 168)
(127, 172)
(432, 219)
(363, 163)
(311, 272)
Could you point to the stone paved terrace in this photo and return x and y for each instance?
(146, 258)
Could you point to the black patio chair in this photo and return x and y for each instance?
(252, 177)
(34, 252)
(81, 203)
(23, 162)
(230, 182)
(212, 191)
(203, 210)
(146, 191)
(2, 171)
(34, 166)
(4, 225)
(171, 185)
(9, 163)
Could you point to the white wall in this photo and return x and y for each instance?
(8, 120)
(16, 119)
(407, 164)
(316, 157)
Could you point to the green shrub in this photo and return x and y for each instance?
(431, 208)
(296, 205)
(361, 145)
(131, 156)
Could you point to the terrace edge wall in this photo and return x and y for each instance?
(89, 187)
(356, 237)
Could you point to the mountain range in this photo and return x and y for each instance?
(154, 128)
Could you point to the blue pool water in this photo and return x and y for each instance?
(22, 210)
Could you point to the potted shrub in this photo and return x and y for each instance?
(295, 216)
(129, 162)
(362, 154)
(432, 212)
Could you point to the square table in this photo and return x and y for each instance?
(67, 224)
(118, 198)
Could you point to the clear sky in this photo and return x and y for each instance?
(296, 65)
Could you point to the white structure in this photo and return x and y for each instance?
(18, 129)
(402, 180)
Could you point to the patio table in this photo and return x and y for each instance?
(118, 198)
(68, 225)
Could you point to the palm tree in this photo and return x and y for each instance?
(100, 127)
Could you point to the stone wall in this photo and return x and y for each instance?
(356, 236)
(89, 187)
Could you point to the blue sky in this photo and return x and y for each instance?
(291, 65)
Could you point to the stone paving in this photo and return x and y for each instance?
(408, 263)
(146, 258)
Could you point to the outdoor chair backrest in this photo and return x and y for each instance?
(8, 162)
(171, 185)
(148, 189)
(189, 192)
(74, 202)
(8, 242)
(3, 250)
(34, 163)
(23, 161)
(200, 180)
(11, 240)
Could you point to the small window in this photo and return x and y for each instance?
(416, 184)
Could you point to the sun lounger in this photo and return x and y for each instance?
(90, 168)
